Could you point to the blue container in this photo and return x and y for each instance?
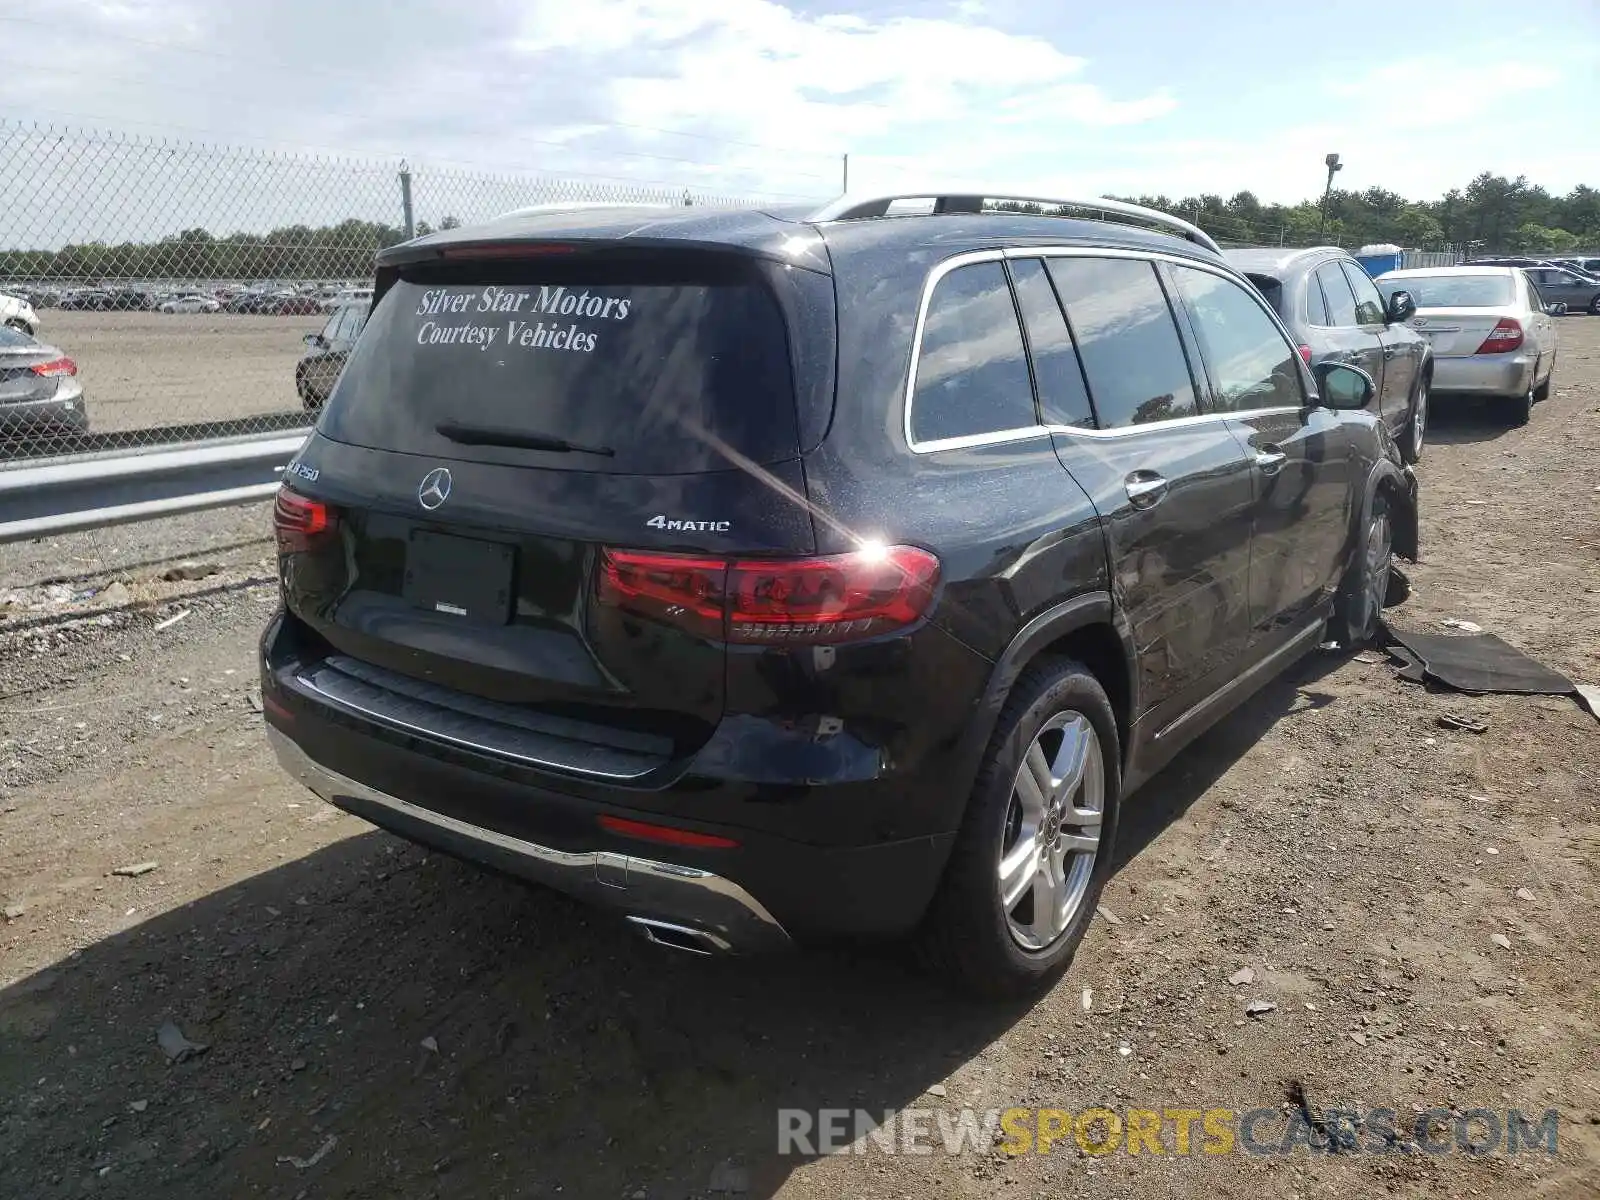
(1377, 264)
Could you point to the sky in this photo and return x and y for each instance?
(763, 98)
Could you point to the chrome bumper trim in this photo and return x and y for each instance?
(696, 900)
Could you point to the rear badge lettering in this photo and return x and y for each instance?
(309, 474)
(660, 521)
(455, 610)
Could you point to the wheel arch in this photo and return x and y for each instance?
(1090, 629)
(1397, 485)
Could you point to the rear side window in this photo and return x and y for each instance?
(972, 374)
(1063, 399)
(1336, 289)
(1316, 306)
(1369, 305)
(1252, 365)
(670, 378)
(1126, 337)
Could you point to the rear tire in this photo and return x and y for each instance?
(1367, 586)
(1542, 392)
(1594, 306)
(1415, 433)
(1516, 410)
(1029, 843)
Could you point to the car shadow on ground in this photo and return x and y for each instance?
(1166, 798)
(1457, 420)
(438, 1030)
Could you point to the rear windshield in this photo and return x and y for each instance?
(1452, 291)
(670, 378)
(12, 339)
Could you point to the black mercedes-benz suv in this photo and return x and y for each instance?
(777, 575)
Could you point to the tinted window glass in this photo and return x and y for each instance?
(1316, 306)
(1129, 345)
(673, 377)
(1336, 290)
(15, 338)
(1369, 305)
(1271, 290)
(1252, 364)
(972, 376)
(1062, 397)
(1454, 291)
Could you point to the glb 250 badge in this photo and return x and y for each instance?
(309, 474)
(663, 522)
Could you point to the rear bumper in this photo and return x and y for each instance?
(786, 877)
(714, 913)
(1484, 374)
(60, 413)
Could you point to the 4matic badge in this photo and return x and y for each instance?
(660, 521)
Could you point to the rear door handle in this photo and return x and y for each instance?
(1145, 488)
(1388, 351)
(1270, 462)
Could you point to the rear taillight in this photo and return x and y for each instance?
(1305, 355)
(57, 366)
(805, 601)
(1506, 335)
(300, 522)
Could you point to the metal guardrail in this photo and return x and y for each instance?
(90, 493)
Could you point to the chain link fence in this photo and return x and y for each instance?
(179, 281)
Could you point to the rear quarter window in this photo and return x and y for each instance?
(671, 377)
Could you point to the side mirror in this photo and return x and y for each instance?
(1557, 309)
(1401, 308)
(1342, 386)
(313, 339)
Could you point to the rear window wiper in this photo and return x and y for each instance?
(482, 435)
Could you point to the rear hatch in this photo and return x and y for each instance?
(505, 431)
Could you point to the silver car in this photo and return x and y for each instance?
(1491, 333)
(39, 389)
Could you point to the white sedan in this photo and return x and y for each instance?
(190, 304)
(1492, 334)
(18, 314)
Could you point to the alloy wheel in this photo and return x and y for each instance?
(1377, 561)
(1052, 832)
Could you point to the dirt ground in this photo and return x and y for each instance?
(1418, 904)
(141, 370)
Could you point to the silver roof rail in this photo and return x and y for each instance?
(856, 207)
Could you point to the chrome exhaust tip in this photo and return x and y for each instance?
(679, 937)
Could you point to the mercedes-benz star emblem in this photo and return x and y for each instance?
(434, 489)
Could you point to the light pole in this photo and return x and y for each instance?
(1333, 164)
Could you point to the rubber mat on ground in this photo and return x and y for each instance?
(1476, 663)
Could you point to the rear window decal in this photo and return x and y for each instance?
(523, 332)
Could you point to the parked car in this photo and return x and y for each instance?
(86, 299)
(17, 313)
(755, 574)
(1577, 291)
(190, 304)
(39, 389)
(347, 296)
(1330, 305)
(326, 352)
(1491, 333)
